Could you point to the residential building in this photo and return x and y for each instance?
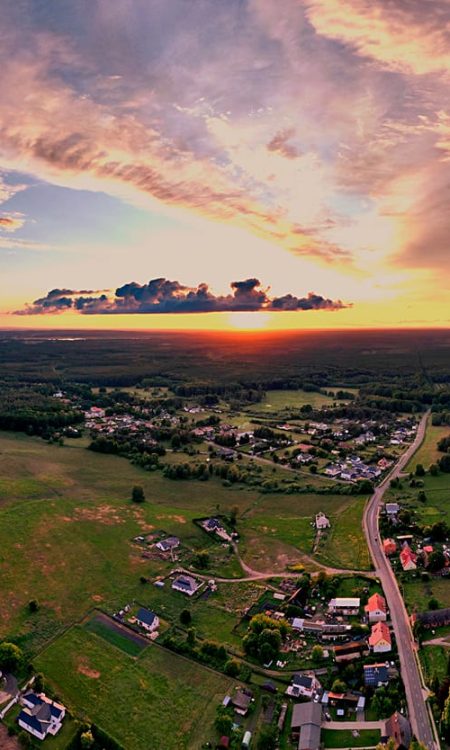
(241, 701)
(376, 608)
(408, 558)
(186, 584)
(40, 716)
(168, 544)
(147, 620)
(380, 638)
(376, 675)
(303, 686)
(389, 547)
(322, 522)
(350, 651)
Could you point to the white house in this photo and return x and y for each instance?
(303, 686)
(40, 716)
(186, 584)
(376, 608)
(322, 522)
(147, 620)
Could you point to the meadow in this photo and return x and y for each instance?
(157, 700)
(67, 524)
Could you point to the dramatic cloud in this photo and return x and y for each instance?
(161, 296)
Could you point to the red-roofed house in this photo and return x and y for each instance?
(380, 638)
(408, 558)
(376, 608)
(389, 547)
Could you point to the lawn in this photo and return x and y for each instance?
(417, 593)
(115, 638)
(159, 700)
(344, 738)
(59, 742)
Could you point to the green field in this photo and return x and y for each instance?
(344, 738)
(278, 401)
(114, 638)
(345, 545)
(159, 700)
(428, 452)
(434, 661)
(66, 525)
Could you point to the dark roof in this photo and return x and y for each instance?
(145, 616)
(306, 713)
(186, 582)
(31, 721)
(302, 680)
(374, 673)
(241, 700)
(398, 727)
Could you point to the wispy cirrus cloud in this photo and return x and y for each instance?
(161, 296)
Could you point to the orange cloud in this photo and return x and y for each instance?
(406, 35)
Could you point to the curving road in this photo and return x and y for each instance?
(415, 693)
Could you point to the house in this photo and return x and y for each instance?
(376, 675)
(305, 725)
(241, 701)
(399, 728)
(380, 638)
(389, 547)
(408, 558)
(376, 608)
(186, 584)
(304, 686)
(40, 716)
(211, 524)
(147, 620)
(344, 605)
(322, 522)
(344, 701)
(391, 509)
(168, 544)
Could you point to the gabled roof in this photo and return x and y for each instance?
(398, 727)
(376, 601)
(302, 680)
(380, 632)
(186, 583)
(144, 615)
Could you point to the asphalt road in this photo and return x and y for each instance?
(415, 693)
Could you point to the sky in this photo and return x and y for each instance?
(196, 164)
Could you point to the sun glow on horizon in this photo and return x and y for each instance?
(248, 321)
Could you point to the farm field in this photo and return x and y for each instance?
(434, 661)
(417, 593)
(143, 704)
(277, 401)
(345, 545)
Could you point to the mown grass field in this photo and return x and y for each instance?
(276, 401)
(158, 700)
(344, 738)
(434, 661)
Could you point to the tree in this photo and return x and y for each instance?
(10, 657)
(338, 686)
(433, 603)
(185, 617)
(317, 653)
(86, 740)
(434, 470)
(422, 498)
(436, 561)
(190, 639)
(38, 684)
(33, 606)
(231, 668)
(267, 738)
(420, 471)
(201, 560)
(137, 494)
(223, 722)
(25, 740)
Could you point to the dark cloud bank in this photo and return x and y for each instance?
(165, 296)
